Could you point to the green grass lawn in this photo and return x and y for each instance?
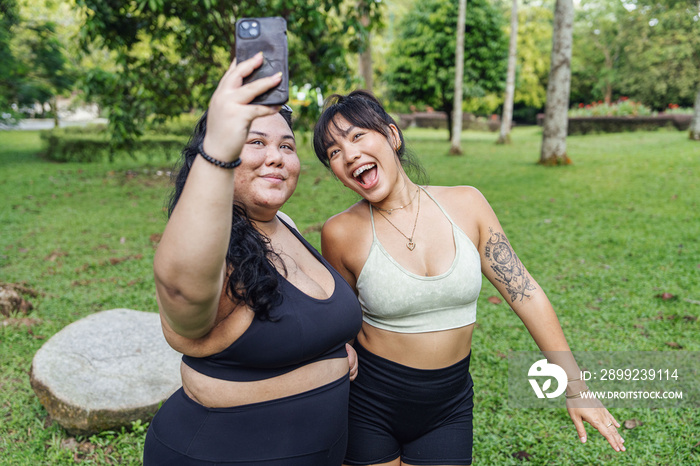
(605, 237)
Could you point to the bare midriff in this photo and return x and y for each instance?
(218, 393)
(429, 350)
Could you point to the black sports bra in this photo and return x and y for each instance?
(306, 330)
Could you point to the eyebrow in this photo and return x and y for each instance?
(343, 133)
(265, 135)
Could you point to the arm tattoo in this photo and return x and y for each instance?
(509, 270)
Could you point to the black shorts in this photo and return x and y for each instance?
(308, 429)
(422, 416)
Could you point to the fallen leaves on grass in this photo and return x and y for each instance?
(12, 301)
(495, 300)
(666, 296)
(69, 443)
(86, 450)
(119, 260)
(316, 227)
(673, 344)
(110, 261)
(522, 455)
(86, 282)
(28, 322)
(55, 254)
(155, 238)
(632, 423)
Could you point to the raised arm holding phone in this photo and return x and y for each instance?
(261, 318)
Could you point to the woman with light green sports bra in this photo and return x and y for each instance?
(415, 256)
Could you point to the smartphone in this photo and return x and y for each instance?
(269, 36)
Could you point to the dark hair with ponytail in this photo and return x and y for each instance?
(251, 275)
(363, 110)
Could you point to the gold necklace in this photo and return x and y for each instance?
(410, 245)
(389, 211)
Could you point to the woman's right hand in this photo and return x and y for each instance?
(230, 112)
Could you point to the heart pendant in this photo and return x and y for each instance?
(411, 245)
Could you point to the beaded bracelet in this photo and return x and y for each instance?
(218, 163)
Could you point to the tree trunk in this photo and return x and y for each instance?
(456, 145)
(556, 121)
(365, 59)
(53, 103)
(608, 93)
(610, 65)
(507, 119)
(366, 66)
(695, 123)
(450, 122)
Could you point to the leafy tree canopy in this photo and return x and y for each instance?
(421, 65)
(170, 54)
(534, 44)
(33, 64)
(45, 69)
(9, 17)
(647, 50)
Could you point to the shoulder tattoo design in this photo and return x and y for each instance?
(509, 270)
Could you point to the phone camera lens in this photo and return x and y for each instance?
(249, 29)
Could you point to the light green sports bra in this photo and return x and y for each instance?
(392, 298)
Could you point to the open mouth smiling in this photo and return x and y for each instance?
(361, 173)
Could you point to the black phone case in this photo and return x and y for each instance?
(272, 42)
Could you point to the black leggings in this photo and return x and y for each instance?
(423, 416)
(308, 429)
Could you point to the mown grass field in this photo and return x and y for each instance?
(606, 237)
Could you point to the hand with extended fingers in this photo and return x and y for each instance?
(593, 412)
(230, 114)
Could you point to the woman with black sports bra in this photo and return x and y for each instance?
(415, 256)
(262, 319)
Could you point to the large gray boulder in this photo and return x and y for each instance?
(105, 371)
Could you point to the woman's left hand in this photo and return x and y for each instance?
(352, 361)
(593, 412)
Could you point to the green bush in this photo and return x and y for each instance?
(181, 126)
(438, 120)
(622, 115)
(91, 144)
(615, 124)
